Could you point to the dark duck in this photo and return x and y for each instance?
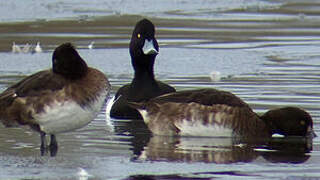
(143, 50)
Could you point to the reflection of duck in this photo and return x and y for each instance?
(210, 112)
(195, 149)
(288, 150)
(224, 150)
(143, 50)
(60, 99)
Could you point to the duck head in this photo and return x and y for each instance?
(143, 46)
(289, 121)
(67, 62)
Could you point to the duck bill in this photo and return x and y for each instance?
(311, 133)
(148, 48)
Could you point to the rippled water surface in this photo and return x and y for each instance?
(266, 51)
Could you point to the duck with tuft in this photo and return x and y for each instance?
(64, 98)
(143, 50)
(214, 113)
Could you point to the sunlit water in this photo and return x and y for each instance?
(266, 51)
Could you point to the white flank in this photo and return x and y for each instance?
(196, 128)
(68, 116)
(144, 115)
(110, 103)
(110, 126)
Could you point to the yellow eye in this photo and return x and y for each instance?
(139, 35)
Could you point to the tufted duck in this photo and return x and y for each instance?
(210, 112)
(143, 50)
(60, 99)
(203, 112)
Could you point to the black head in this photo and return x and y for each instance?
(143, 45)
(67, 62)
(289, 121)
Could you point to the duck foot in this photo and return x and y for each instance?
(52, 148)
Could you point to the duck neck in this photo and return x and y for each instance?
(145, 75)
(143, 70)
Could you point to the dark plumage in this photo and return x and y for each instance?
(60, 99)
(289, 121)
(143, 50)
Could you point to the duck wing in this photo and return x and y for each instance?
(35, 85)
(206, 97)
(38, 84)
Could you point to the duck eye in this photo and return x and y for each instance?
(139, 35)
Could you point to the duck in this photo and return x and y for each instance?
(215, 76)
(16, 48)
(63, 98)
(214, 113)
(143, 51)
(38, 48)
(90, 46)
(202, 112)
(26, 48)
(289, 121)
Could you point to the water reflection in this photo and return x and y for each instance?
(225, 150)
(164, 177)
(138, 132)
(288, 150)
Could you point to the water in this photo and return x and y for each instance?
(266, 51)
